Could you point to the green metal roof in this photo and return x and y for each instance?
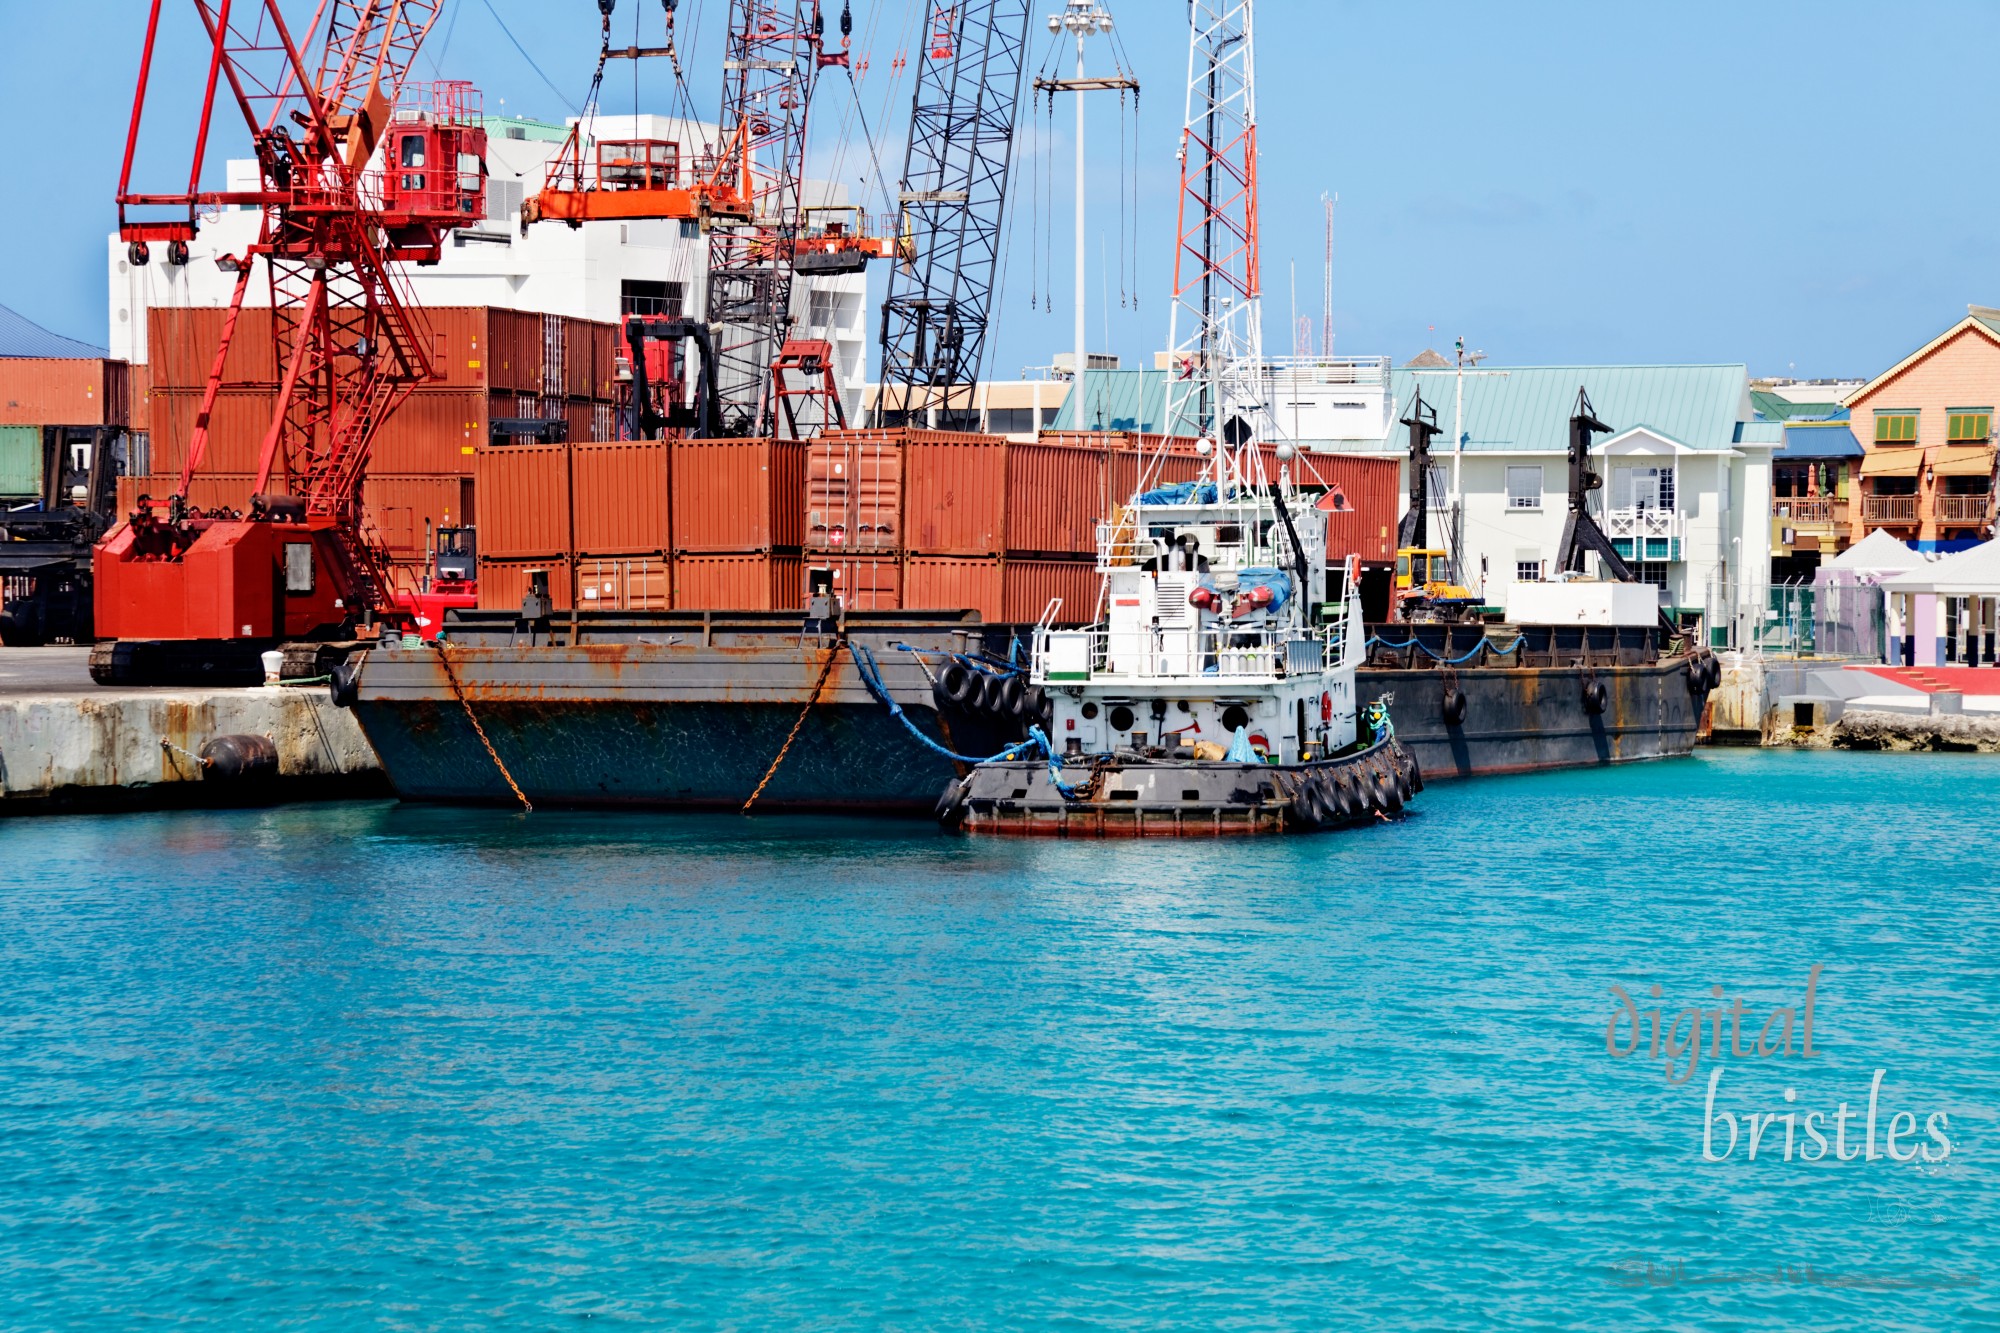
(1771, 407)
(1115, 400)
(537, 131)
(1526, 409)
(1760, 432)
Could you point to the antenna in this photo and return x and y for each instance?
(1326, 316)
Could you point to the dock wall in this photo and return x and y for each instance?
(111, 749)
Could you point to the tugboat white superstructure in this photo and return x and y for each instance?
(1216, 691)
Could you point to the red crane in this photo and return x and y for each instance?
(360, 172)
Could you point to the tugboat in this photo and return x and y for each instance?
(1215, 693)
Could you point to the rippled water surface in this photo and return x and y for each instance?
(399, 1067)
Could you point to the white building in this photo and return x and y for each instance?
(1686, 467)
(599, 271)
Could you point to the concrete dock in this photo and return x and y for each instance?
(67, 743)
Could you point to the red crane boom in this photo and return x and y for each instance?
(360, 172)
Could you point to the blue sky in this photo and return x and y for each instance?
(1797, 186)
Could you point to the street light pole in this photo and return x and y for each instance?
(1081, 18)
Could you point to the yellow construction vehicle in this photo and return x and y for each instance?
(1426, 590)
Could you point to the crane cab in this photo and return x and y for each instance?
(433, 172)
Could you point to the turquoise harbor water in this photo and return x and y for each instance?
(377, 1066)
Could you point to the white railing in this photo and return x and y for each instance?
(1155, 654)
(1635, 522)
(1347, 370)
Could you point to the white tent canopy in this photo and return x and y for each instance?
(1879, 552)
(1973, 573)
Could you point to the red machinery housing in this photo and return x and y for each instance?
(358, 174)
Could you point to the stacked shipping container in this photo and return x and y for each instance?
(905, 519)
(491, 363)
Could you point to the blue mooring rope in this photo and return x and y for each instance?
(864, 662)
(1377, 640)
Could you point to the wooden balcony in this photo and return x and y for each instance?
(1964, 508)
(1889, 508)
(1798, 510)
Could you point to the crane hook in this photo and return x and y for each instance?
(605, 7)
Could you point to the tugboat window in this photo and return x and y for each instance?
(1234, 716)
(1090, 710)
(1121, 718)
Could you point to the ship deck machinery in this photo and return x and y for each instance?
(690, 709)
(1206, 700)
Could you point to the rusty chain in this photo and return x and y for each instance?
(832, 654)
(444, 659)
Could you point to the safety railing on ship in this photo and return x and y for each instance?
(1158, 653)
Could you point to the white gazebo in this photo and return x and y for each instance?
(1946, 612)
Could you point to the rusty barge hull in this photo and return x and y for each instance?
(684, 713)
(1522, 720)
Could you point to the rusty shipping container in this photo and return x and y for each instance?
(579, 358)
(864, 582)
(953, 583)
(738, 495)
(739, 581)
(523, 493)
(623, 496)
(1030, 583)
(181, 343)
(64, 391)
(624, 582)
(503, 583)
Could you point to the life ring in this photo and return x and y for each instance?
(961, 684)
(1595, 697)
(950, 809)
(1455, 706)
(1386, 795)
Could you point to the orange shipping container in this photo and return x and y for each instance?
(404, 510)
(955, 493)
(523, 494)
(139, 380)
(63, 391)
(1056, 493)
(622, 496)
(1028, 585)
(864, 583)
(1363, 502)
(236, 429)
(953, 583)
(204, 493)
(579, 357)
(503, 583)
(605, 342)
(739, 581)
(854, 490)
(181, 343)
(738, 495)
(485, 347)
(624, 583)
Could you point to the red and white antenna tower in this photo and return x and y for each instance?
(1215, 388)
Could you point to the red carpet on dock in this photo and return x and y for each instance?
(1966, 680)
